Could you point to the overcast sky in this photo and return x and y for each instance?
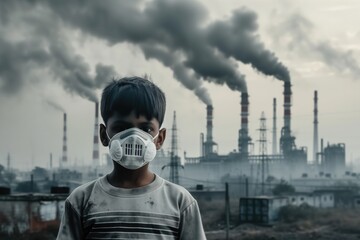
(56, 56)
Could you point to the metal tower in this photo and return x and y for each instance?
(274, 140)
(264, 167)
(174, 158)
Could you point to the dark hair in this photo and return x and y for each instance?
(133, 94)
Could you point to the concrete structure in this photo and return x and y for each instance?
(316, 199)
(334, 159)
(260, 210)
(30, 213)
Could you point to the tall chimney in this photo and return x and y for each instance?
(64, 152)
(244, 139)
(51, 161)
(209, 127)
(316, 137)
(209, 124)
(287, 108)
(8, 162)
(287, 142)
(96, 160)
(274, 139)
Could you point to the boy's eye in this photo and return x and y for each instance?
(146, 129)
(118, 129)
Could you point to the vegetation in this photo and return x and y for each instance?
(283, 188)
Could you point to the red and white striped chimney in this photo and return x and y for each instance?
(96, 160)
(244, 139)
(287, 109)
(64, 150)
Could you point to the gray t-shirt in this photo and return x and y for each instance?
(160, 210)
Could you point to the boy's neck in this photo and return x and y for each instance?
(125, 178)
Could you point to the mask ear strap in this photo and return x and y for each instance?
(107, 133)
(156, 135)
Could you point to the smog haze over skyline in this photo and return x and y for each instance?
(57, 56)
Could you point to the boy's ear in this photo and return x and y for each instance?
(161, 138)
(103, 136)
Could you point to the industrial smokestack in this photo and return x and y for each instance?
(8, 162)
(316, 137)
(208, 145)
(244, 139)
(64, 152)
(287, 142)
(96, 160)
(209, 123)
(274, 139)
(51, 161)
(287, 109)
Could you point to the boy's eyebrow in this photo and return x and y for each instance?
(119, 121)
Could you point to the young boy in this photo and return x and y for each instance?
(131, 202)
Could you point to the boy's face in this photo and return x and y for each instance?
(117, 123)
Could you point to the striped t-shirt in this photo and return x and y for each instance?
(160, 210)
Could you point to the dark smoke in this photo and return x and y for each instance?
(46, 48)
(175, 33)
(168, 31)
(299, 33)
(237, 37)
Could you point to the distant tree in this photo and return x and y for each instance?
(283, 188)
(40, 173)
(292, 213)
(270, 179)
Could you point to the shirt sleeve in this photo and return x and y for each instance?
(71, 225)
(190, 223)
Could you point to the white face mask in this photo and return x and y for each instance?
(132, 148)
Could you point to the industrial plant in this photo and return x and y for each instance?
(289, 161)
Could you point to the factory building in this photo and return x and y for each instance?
(288, 162)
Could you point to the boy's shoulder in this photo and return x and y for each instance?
(179, 193)
(82, 193)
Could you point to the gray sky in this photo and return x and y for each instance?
(57, 56)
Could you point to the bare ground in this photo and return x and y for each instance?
(321, 224)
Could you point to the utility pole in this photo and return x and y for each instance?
(227, 210)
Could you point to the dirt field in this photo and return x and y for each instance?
(302, 224)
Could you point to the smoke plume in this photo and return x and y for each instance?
(54, 105)
(298, 35)
(42, 46)
(237, 38)
(176, 33)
